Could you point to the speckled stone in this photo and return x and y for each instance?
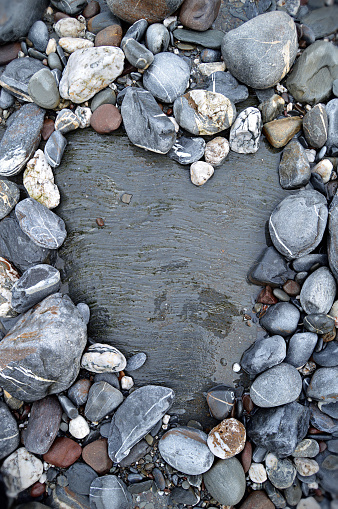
(9, 197)
(66, 121)
(8, 277)
(281, 472)
(271, 108)
(227, 439)
(277, 386)
(102, 358)
(216, 151)
(38, 180)
(71, 44)
(69, 27)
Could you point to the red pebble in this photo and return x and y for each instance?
(47, 128)
(37, 489)
(99, 221)
(246, 457)
(266, 296)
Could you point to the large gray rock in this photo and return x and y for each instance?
(298, 223)
(300, 348)
(9, 432)
(16, 76)
(21, 139)
(314, 72)
(133, 10)
(279, 429)
(294, 168)
(270, 269)
(109, 492)
(250, 49)
(137, 415)
(324, 385)
(230, 492)
(263, 354)
(17, 16)
(146, 125)
(186, 450)
(41, 353)
(318, 291)
(277, 386)
(281, 318)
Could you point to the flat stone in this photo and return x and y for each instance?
(109, 36)
(281, 472)
(167, 77)
(318, 292)
(322, 421)
(54, 62)
(271, 108)
(96, 456)
(324, 385)
(225, 83)
(53, 329)
(102, 21)
(227, 439)
(103, 398)
(281, 318)
(211, 39)
(9, 432)
(328, 357)
(102, 358)
(207, 69)
(71, 44)
(38, 180)
(90, 70)
(249, 49)
(257, 500)
(279, 429)
(70, 6)
(44, 227)
(305, 263)
(106, 119)
(80, 476)
(69, 27)
(145, 123)
(38, 35)
(300, 348)
(322, 21)
(16, 76)
(200, 172)
(144, 408)
(315, 126)
(257, 473)
(157, 38)
(136, 362)
(263, 354)
(270, 269)
(298, 223)
(78, 392)
(63, 453)
(312, 77)
(231, 492)
(55, 148)
(198, 16)
(187, 150)
(43, 425)
(106, 96)
(202, 112)
(277, 386)
(220, 401)
(246, 131)
(109, 492)
(294, 168)
(280, 132)
(138, 9)
(20, 471)
(19, 17)
(21, 139)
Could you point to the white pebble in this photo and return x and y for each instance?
(127, 383)
(257, 473)
(168, 20)
(78, 427)
(310, 154)
(236, 367)
(200, 172)
(51, 47)
(308, 503)
(177, 127)
(43, 478)
(166, 419)
(324, 169)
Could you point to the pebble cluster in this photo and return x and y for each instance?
(75, 433)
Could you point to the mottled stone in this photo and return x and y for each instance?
(69, 27)
(300, 348)
(55, 148)
(38, 180)
(246, 131)
(187, 150)
(225, 83)
(200, 172)
(271, 108)
(103, 398)
(66, 121)
(230, 492)
(318, 292)
(324, 168)
(281, 318)
(216, 151)
(294, 168)
(227, 439)
(109, 491)
(90, 70)
(270, 269)
(96, 456)
(324, 385)
(102, 358)
(71, 44)
(9, 432)
(138, 9)
(109, 36)
(167, 77)
(63, 453)
(280, 132)
(263, 354)
(281, 472)
(16, 76)
(315, 126)
(209, 69)
(306, 467)
(21, 139)
(8, 277)
(257, 473)
(43, 425)
(220, 401)
(20, 470)
(198, 14)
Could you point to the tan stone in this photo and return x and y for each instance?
(280, 132)
(227, 438)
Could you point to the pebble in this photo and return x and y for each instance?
(318, 292)
(136, 53)
(281, 319)
(55, 148)
(9, 197)
(102, 358)
(20, 471)
(63, 452)
(80, 477)
(281, 472)
(136, 9)
(211, 39)
(271, 108)
(225, 83)
(315, 126)
(257, 473)
(38, 180)
(231, 492)
(200, 172)
(187, 150)
(197, 18)
(246, 131)
(9, 432)
(16, 76)
(135, 362)
(127, 383)
(263, 354)
(69, 27)
(106, 119)
(274, 495)
(9, 52)
(51, 46)
(157, 38)
(328, 356)
(210, 55)
(109, 492)
(319, 323)
(70, 6)
(96, 456)
(220, 400)
(270, 269)
(78, 392)
(257, 500)
(324, 385)
(300, 348)
(78, 427)
(324, 168)
(43, 425)
(109, 36)
(294, 168)
(106, 96)
(227, 439)
(47, 129)
(103, 398)
(6, 99)
(101, 21)
(216, 151)
(71, 44)
(293, 493)
(54, 62)
(110, 378)
(305, 466)
(66, 121)
(280, 132)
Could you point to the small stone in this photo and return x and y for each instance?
(210, 55)
(110, 378)
(281, 295)
(84, 115)
(212, 69)
(211, 39)
(300, 349)
(78, 392)
(227, 439)
(224, 83)
(281, 472)
(306, 467)
(106, 119)
(246, 131)
(103, 398)
(281, 319)
(43, 425)
(277, 386)
(69, 27)
(66, 121)
(63, 453)
(318, 292)
(55, 148)
(38, 180)
(294, 168)
(38, 35)
(136, 9)
(257, 500)
(220, 401)
(71, 44)
(270, 269)
(6, 100)
(216, 151)
(328, 356)
(62, 496)
(9, 433)
(102, 21)
(47, 129)
(199, 17)
(136, 53)
(324, 168)
(91, 9)
(78, 427)
(54, 62)
(8, 277)
(157, 38)
(271, 108)
(102, 358)
(96, 456)
(246, 456)
(127, 383)
(167, 78)
(80, 477)
(263, 354)
(257, 473)
(280, 132)
(20, 471)
(187, 150)
(106, 96)
(332, 138)
(324, 385)
(293, 493)
(231, 492)
(109, 36)
(51, 46)
(315, 126)
(17, 74)
(109, 491)
(319, 323)
(136, 362)
(200, 172)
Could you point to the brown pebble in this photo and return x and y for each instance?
(247, 403)
(60, 15)
(322, 445)
(121, 375)
(169, 111)
(329, 336)
(37, 489)
(45, 61)
(99, 221)
(9, 52)
(106, 119)
(92, 9)
(161, 106)
(246, 457)
(291, 287)
(257, 500)
(280, 132)
(47, 128)
(96, 456)
(63, 453)
(109, 36)
(126, 198)
(266, 296)
(314, 431)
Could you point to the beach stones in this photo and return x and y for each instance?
(103, 398)
(20, 470)
(167, 77)
(109, 36)
(328, 357)
(318, 291)
(249, 49)
(96, 456)
(225, 83)
(145, 123)
(109, 491)
(277, 386)
(21, 139)
(227, 439)
(220, 401)
(279, 429)
(38, 180)
(90, 70)
(71, 44)
(157, 38)
(63, 453)
(101, 358)
(314, 72)
(16, 76)
(270, 269)
(230, 492)
(216, 151)
(332, 137)
(136, 9)
(257, 500)
(78, 427)
(43, 425)
(279, 132)
(315, 126)
(186, 450)
(69, 27)
(298, 223)
(307, 448)
(70, 6)
(136, 53)
(300, 349)
(294, 168)
(324, 385)
(202, 112)
(44, 227)
(106, 119)
(137, 415)
(66, 121)
(211, 39)
(38, 35)
(199, 15)
(306, 467)
(281, 318)
(54, 330)
(281, 472)
(200, 172)
(9, 432)
(8, 277)
(55, 148)
(106, 96)
(271, 108)
(79, 477)
(187, 150)
(246, 131)
(263, 354)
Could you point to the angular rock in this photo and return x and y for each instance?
(21, 139)
(96, 456)
(211, 39)
(66, 121)
(70, 6)
(281, 318)
(20, 470)
(280, 132)
(249, 49)
(277, 386)
(230, 492)
(186, 450)
(263, 354)
(220, 401)
(63, 453)
(318, 292)
(294, 168)
(55, 148)
(313, 75)
(202, 112)
(270, 269)
(80, 477)
(300, 349)
(9, 432)
(102, 358)
(18, 16)
(227, 439)
(315, 126)
(44, 227)
(328, 357)
(137, 415)
(16, 76)
(103, 398)
(43, 425)
(78, 392)
(323, 385)
(38, 35)
(109, 491)
(298, 223)
(54, 331)
(167, 78)
(145, 123)
(199, 15)
(187, 150)
(90, 70)
(200, 172)
(38, 180)
(246, 131)
(279, 429)
(281, 472)
(138, 9)
(157, 38)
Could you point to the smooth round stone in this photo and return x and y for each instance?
(109, 36)
(324, 385)
(43, 89)
(281, 472)
(106, 96)
(80, 477)
(230, 492)
(71, 44)
(225, 83)
(136, 362)
(55, 148)
(324, 168)
(167, 78)
(318, 292)
(187, 150)
(199, 15)
(200, 172)
(319, 323)
(257, 473)
(202, 112)
(106, 119)
(294, 493)
(138, 9)
(330, 409)
(294, 168)
(157, 38)
(78, 392)
(20, 471)
(216, 151)
(263, 354)
(136, 53)
(186, 450)
(298, 223)
(103, 398)
(220, 401)
(328, 357)
(305, 263)
(281, 295)
(38, 35)
(277, 386)
(9, 197)
(246, 131)
(306, 467)
(101, 358)
(109, 492)
(63, 453)
(92, 8)
(300, 348)
(78, 427)
(315, 126)
(281, 319)
(96, 456)
(38, 180)
(69, 27)
(249, 49)
(227, 439)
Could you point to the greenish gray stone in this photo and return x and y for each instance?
(322, 21)
(54, 61)
(225, 481)
(106, 96)
(209, 39)
(43, 89)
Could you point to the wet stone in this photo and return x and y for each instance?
(101, 358)
(79, 477)
(96, 456)
(157, 38)
(20, 471)
(220, 401)
(318, 292)
(227, 439)
(324, 385)
(328, 357)
(136, 53)
(270, 269)
(315, 126)
(103, 398)
(43, 425)
(211, 39)
(38, 180)
(231, 492)
(277, 386)
(44, 227)
(66, 121)
(225, 83)
(55, 148)
(70, 6)
(78, 392)
(300, 348)
(9, 197)
(294, 168)
(9, 432)
(167, 78)
(135, 362)
(187, 150)
(246, 131)
(16, 76)
(109, 492)
(263, 354)
(280, 132)
(281, 318)
(102, 21)
(106, 119)
(38, 35)
(319, 323)
(281, 472)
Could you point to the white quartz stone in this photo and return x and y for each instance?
(246, 131)
(127, 383)
(20, 470)
(70, 27)
(306, 466)
(257, 473)
(102, 358)
(38, 180)
(90, 70)
(324, 169)
(200, 172)
(208, 68)
(51, 47)
(84, 115)
(216, 151)
(79, 427)
(8, 276)
(71, 44)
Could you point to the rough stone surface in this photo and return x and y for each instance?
(246, 131)
(200, 172)
(43, 425)
(136, 9)
(318, 292)
(69, 27)
(66, 121)
(38, 180)
(230, 492)
(109, 491)
(263, 354)
(20, 470)
(71, 44)
(300, 348)
(281, 318)
(281, 472)
(16, 76)
(294, 168)
(9, 432)
(227, 439)
(324, 385)
(102, 358)
(306, 467)
(8, 277)
(315, 126)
